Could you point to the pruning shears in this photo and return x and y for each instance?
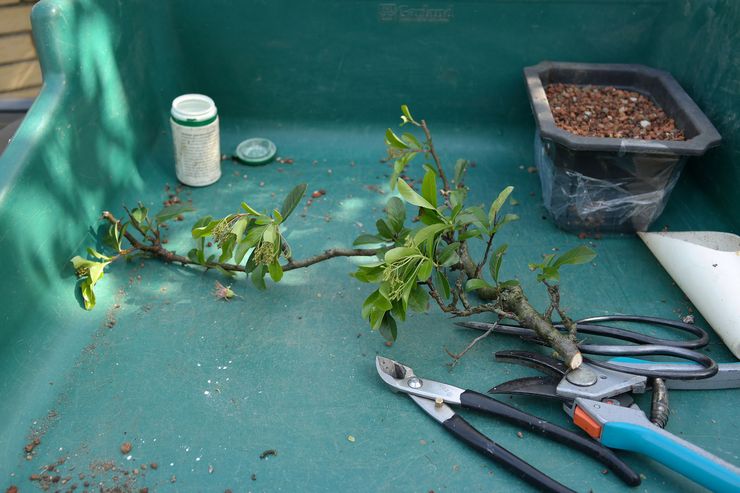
(598, 395)
(435, 398)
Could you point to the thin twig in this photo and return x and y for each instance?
(553, 290)
(456, 357)
(433, 152)
(479, 267)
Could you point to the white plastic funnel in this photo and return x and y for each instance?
(706, 266)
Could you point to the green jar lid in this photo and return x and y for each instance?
(256, 151)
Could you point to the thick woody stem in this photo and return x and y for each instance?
(513, 299)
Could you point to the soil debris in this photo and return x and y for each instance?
(375, 188)
(267, 453)
(126, 447)
(12, 489)
(605, 111)
(32, 445)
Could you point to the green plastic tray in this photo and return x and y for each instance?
(202, 387)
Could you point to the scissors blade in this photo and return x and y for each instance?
(534, 386)
(545, 364)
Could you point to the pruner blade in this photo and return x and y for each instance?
(533, 386)
(545, 364)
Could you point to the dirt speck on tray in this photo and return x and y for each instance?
(126, 447)
(605, 111)
(268, 453)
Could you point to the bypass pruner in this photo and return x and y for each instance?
(599, 400)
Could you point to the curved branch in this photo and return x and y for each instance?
(169, 256)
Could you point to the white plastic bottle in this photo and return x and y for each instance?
(196, 137)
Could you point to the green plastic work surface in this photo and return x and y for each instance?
(202, 387)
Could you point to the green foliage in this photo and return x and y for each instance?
(414, 262)
(550, 266)
(89, 272)
(429, 256)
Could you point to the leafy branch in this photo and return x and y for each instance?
(414, 264)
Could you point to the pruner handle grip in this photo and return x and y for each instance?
(483, 403)
(629, 429)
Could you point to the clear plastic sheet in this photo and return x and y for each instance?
(604, 191)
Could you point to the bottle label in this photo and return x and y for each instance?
(197, 153)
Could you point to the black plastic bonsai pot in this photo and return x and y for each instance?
(612, 184)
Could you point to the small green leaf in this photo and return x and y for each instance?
(193, 255)
(139, 214)
(253, 236)
(171, 211)
(429, 188)
(457, 198)
(498, 203)
(366, 239)
(441, 283)
(369, 273)
(396, 254)
(203, 227)
(506, 219)
(249, 209)
(388, 328)
(384, 230)
(227, 248)
(509, 284)
(392, 140)
(376, 301)
(578, 255)
(258, 277)
(407, 113)
(269, 235)
(550, 274)
(449, 256)
(396, 212)
(278, 218)
(461, 166)
(97, 254)
(88, 295)
(292, 200)
(411, 140)
(425, 270)
(238, 228)
(497, 258)
(428, 232)
(412, 197)
(474, 284)
(276, 271)
(473, 215)
(418, 299)
(471, 233)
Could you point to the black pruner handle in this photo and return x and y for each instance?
(465, 431)
(480, 402)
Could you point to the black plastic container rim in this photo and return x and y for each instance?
(707, 136)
